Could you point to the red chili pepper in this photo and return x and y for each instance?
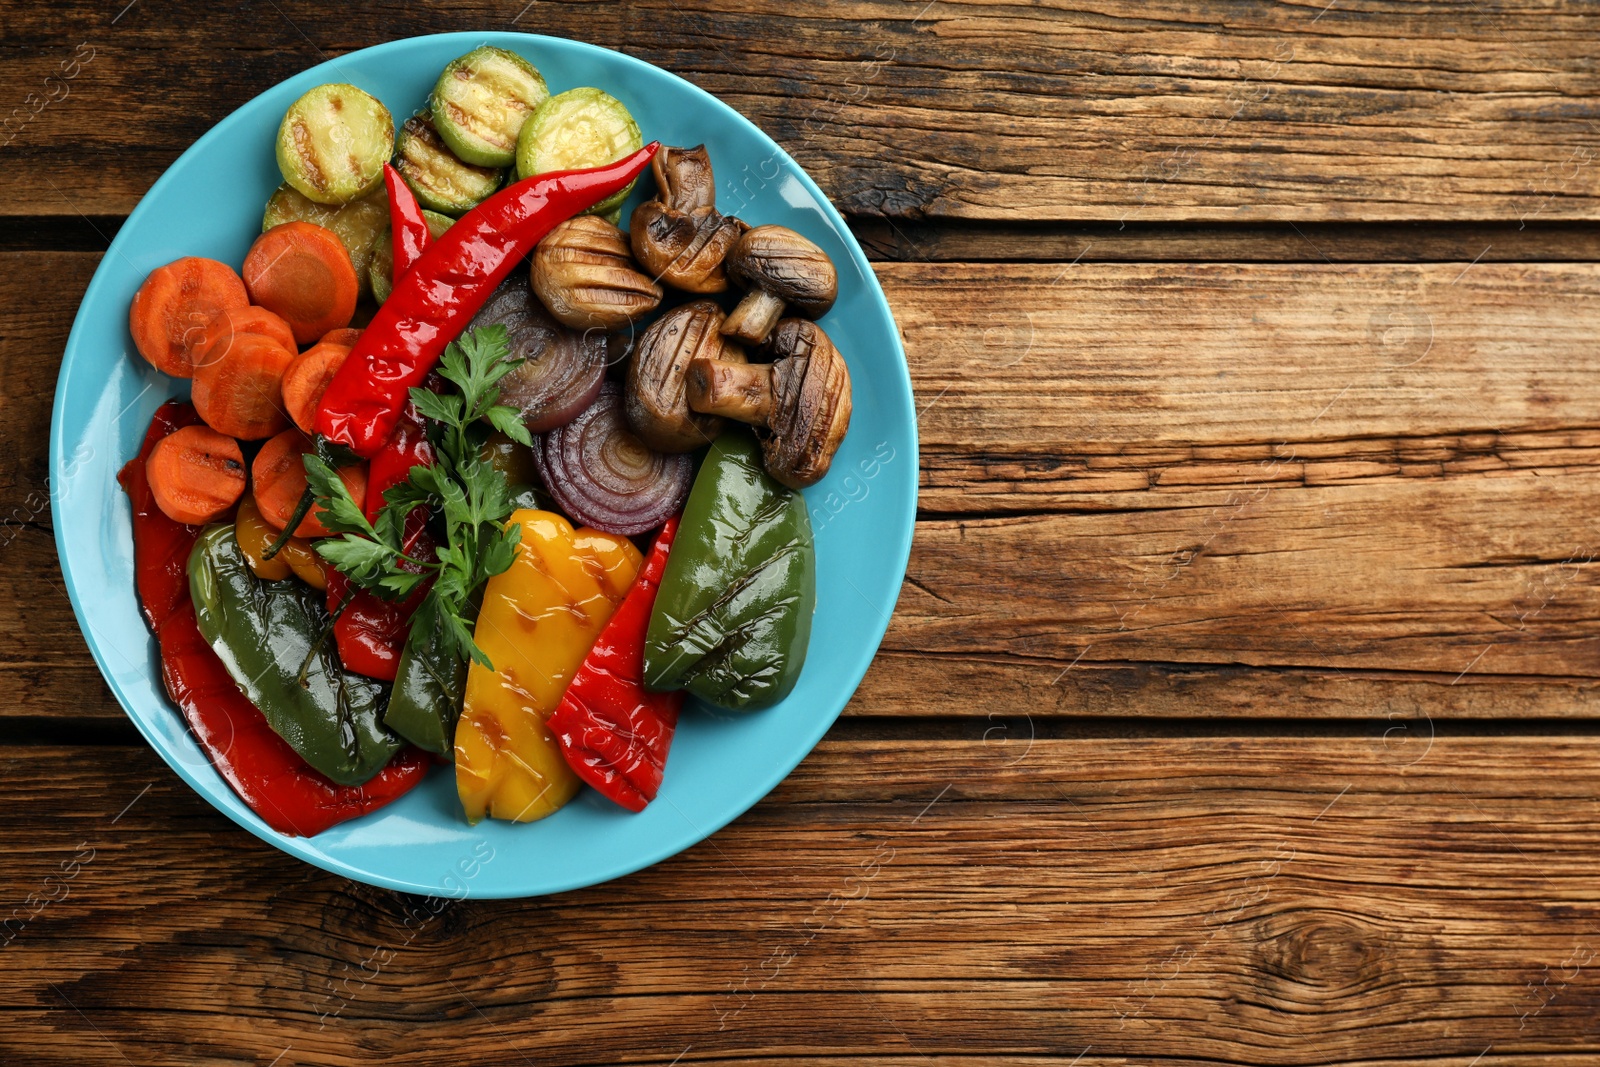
(434, 301)
(407, 447)
(410, 229)
(161, 546)
(371, 631)
(267, 774)
(613, 731)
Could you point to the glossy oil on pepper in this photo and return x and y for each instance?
(733, 617)
(536, 625)
(270, 636)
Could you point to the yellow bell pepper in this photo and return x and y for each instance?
(255, 535)
(538, 621)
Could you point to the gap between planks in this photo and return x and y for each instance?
(959, 240)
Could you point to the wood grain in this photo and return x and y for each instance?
(1373, 468)
(972, 109)
(1227, 900)
(1240, 374)
(1019, 241)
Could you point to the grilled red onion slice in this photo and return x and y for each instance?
(563, 368)
(603, 476)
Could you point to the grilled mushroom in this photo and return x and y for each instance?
(679, 236)
(684, 249)
(654, 400)
(779, 268)
(584, 275)
(683, 178)
(801, 400)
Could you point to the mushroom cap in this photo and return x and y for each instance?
(683, 178)
(776, 260)
(684, 249)
(654, 400)
(585, 277)
(810, 404)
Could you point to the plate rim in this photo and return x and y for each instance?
(301, 847)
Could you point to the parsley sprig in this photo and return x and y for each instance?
(462, 486)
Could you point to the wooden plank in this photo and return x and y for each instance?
(1011, 241)
(1130, 375)
(1491, 575)
(956, 109)
(1375, 467)
(1017, 694)
(1221, 900)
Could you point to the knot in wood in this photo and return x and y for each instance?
(1312, 957)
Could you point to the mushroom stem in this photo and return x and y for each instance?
(740, 391)
(754, 318)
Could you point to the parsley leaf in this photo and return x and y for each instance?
(462, 487)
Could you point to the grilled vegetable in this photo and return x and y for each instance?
(801, 400)
(481, 102)
(613, 732)
(269, 775)
(196, 474)
(172, 312)
(296, 557)
(240, 392)
(779, 268)
(579, 128)
(358, 224)
(684, 179)
(733, 618)
(161, 546)
(604, 476)
(561, 369)
(657, 408)
(437, 175)
(428, 687)
(562, 587)
(679, 236)
(515, 460)
(270, 636)
(585, 277)
(333, 143)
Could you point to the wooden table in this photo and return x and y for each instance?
(1240, 705)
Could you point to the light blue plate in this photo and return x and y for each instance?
(209, 204)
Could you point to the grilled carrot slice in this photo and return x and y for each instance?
(196, 474)
(279, 475)
(307, 379)
(240, 392)
(345, 335)
(221, 331)
(302, 273)
(174, 306)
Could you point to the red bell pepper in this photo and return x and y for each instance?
(267, 774)
(161, 546)
(371, 631)
(409, 229)
(613, 731)
(433, 302)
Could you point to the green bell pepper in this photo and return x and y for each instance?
(733, 617)
(428, 687)
(266, 634)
